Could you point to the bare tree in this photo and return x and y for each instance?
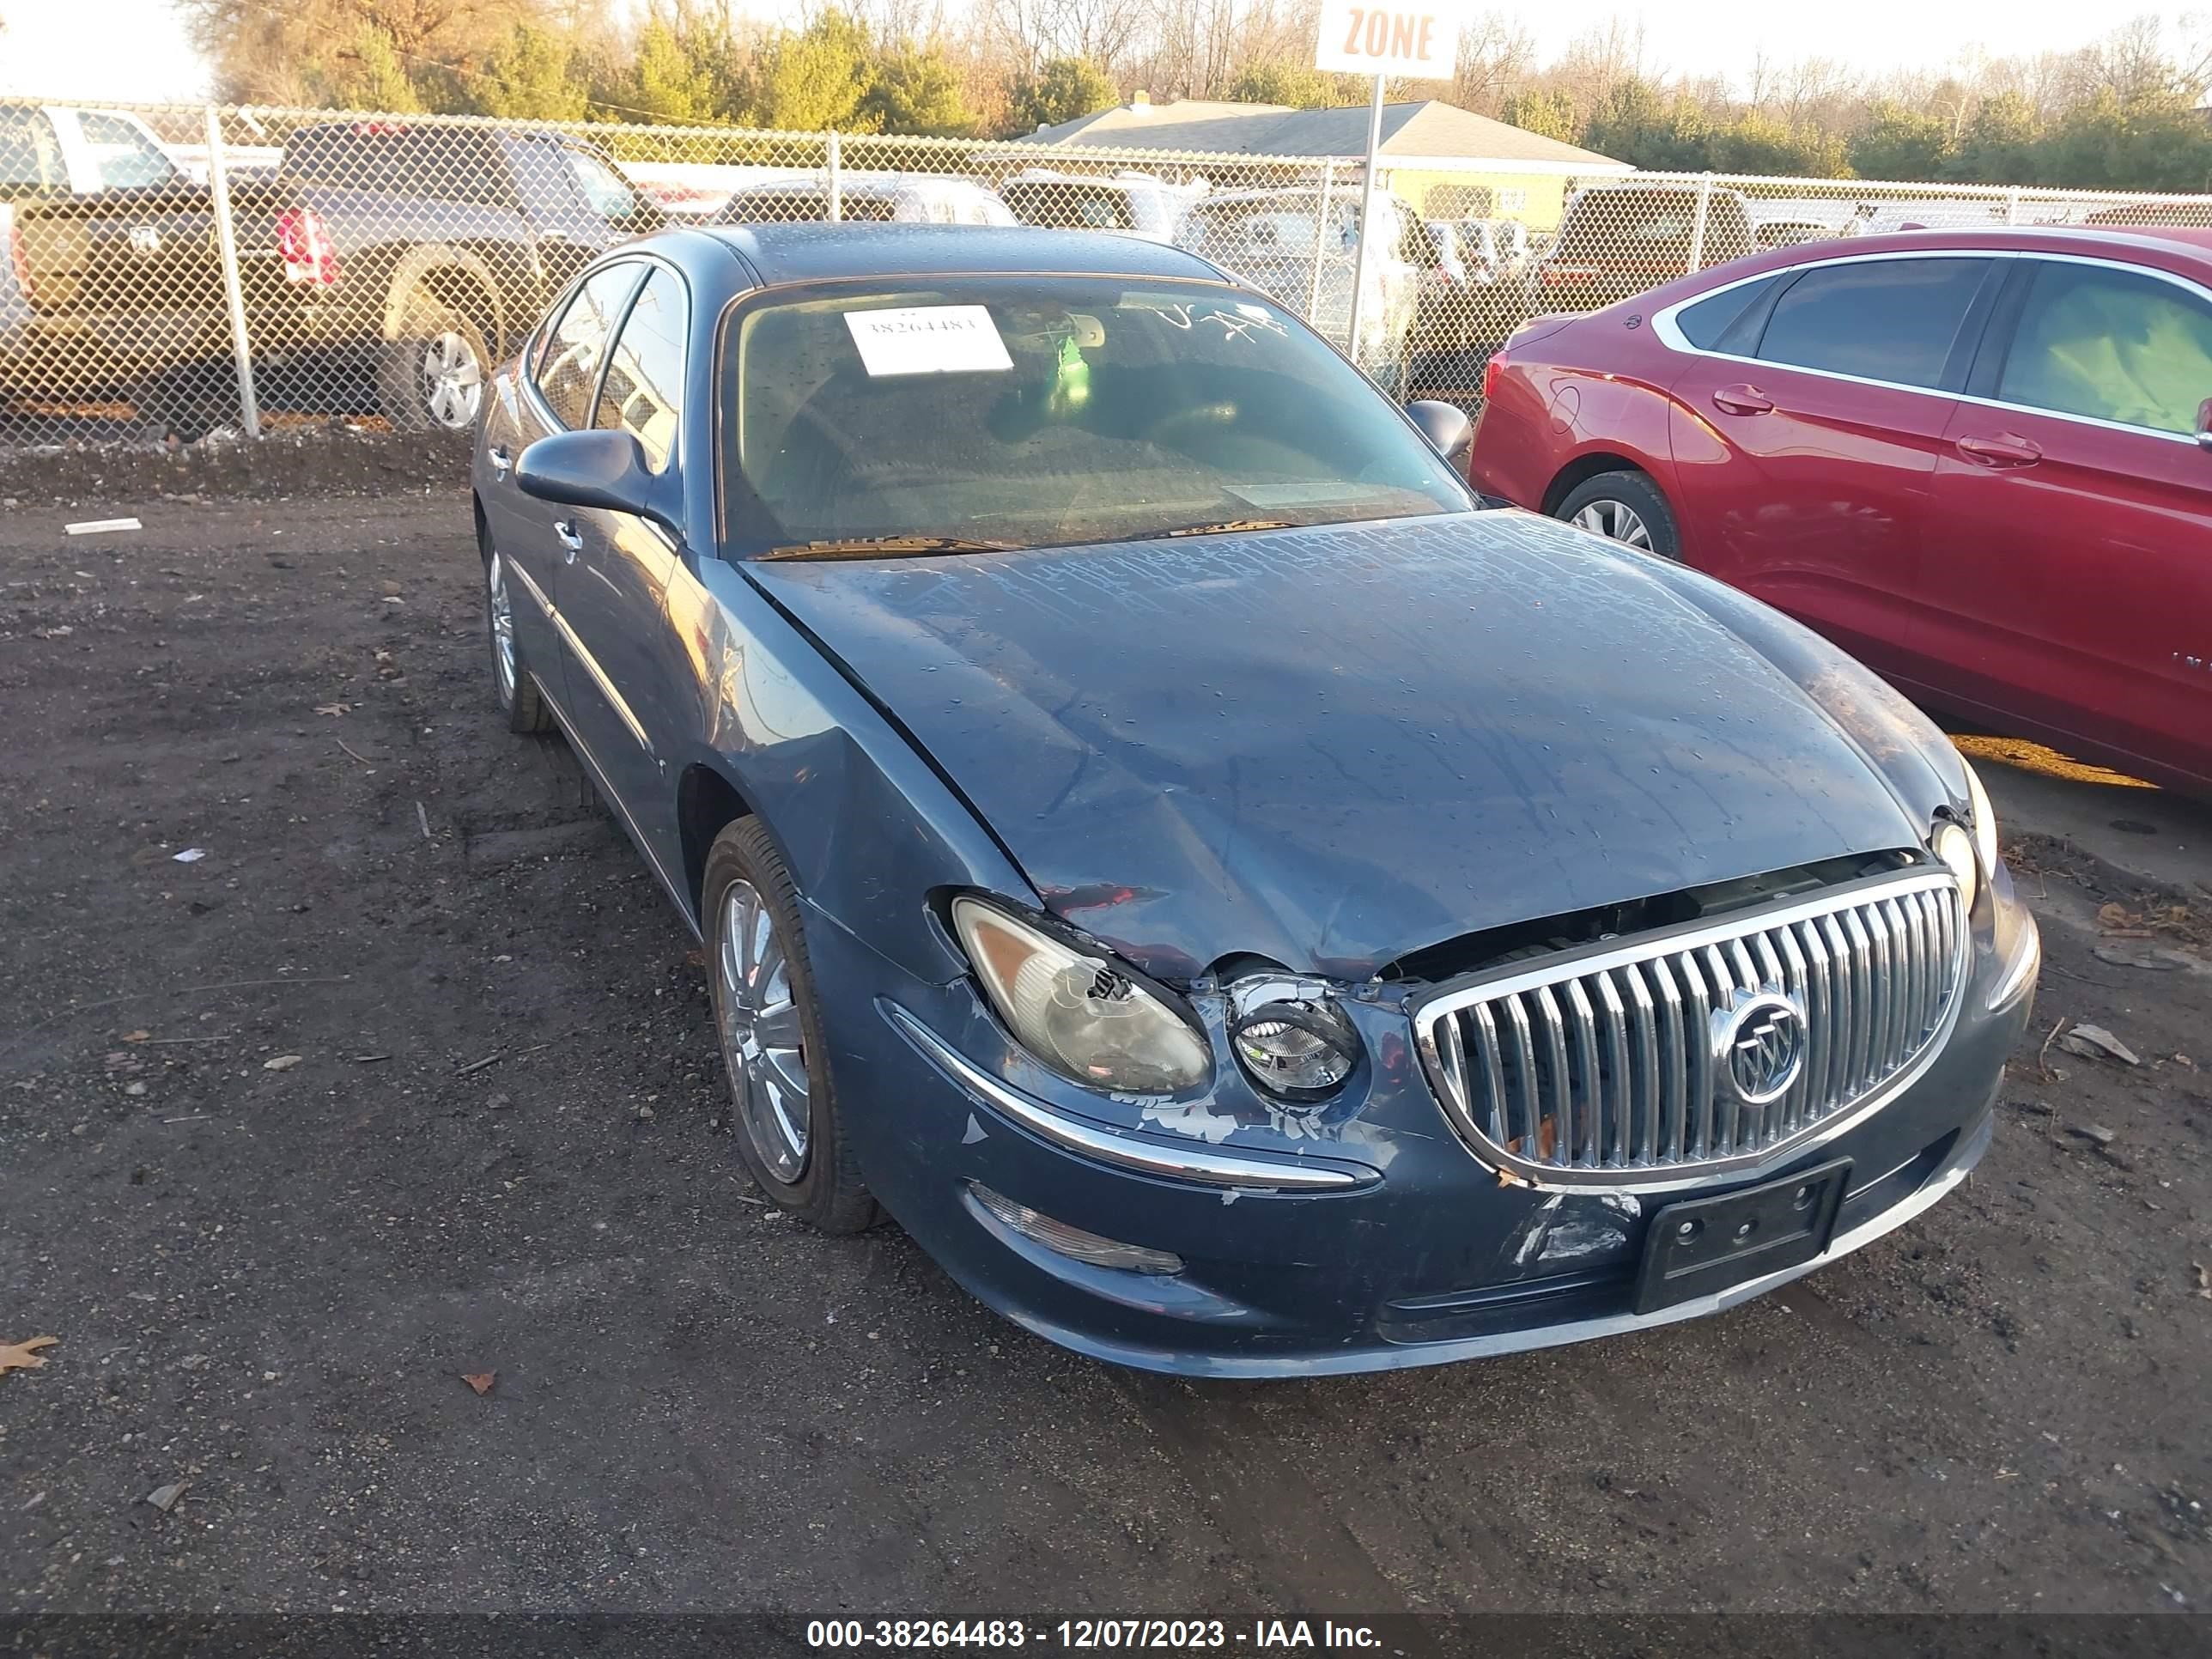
(1496, 55)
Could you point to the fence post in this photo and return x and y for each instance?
(836, 182)
(1360, 264)
(1698, 229)
(2012, 206)
(233, 291)
(1321, 233)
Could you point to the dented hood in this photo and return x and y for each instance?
(1333, 746)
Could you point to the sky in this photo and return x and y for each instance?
(134, 50)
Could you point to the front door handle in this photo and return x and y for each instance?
(572, 540)
(499, 460)
(2006, 449)
(1742, 400)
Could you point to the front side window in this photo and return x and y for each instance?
(1881, 319)
(125, 157)
(643, 392)
(570, 366)
(1036, 411)
(2113, 345)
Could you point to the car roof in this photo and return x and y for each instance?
(2193, 243)
(807, 252)
(872, 184)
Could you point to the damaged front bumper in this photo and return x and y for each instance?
(1364, 1239)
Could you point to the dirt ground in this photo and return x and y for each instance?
(408, 1077)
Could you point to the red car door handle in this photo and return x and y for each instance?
(1742, 400)
(2004, 451)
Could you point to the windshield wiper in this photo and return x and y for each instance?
(883, 547)
(1225, 527)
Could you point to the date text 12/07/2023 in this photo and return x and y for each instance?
(1086, 1635)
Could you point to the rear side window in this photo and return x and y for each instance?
(643, 394)
(1056, 204)
(1887, 320)
(607, 191)
(1709, 324)
(1654, 228)
(2112, 344)
(126, 158)
(570, 367)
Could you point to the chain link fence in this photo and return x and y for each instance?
(172, 273)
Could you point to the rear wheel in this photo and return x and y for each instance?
(512, 681)
(431, 378)
(1626, 507)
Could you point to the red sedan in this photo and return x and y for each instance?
(1979, 461)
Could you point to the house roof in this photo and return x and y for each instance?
(1429, 128)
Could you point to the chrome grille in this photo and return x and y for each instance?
(1625, 1062)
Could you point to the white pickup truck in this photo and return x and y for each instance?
(49, 150)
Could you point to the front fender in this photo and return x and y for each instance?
(1922, 766)
(868, 828)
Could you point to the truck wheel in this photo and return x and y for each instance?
(431, 378)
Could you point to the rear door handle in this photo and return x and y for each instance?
(499, 460)
(1742, 400)
(2007, 449)
(571, 538)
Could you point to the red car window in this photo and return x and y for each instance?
(1880, 319)
(2112, 344)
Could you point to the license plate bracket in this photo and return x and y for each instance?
(1702, 1245)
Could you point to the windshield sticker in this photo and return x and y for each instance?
(1235, 325)
(928, 340)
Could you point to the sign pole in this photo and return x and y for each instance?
(1359, 266)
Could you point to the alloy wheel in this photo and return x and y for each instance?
(452, 381)
(1615, 521)
(762, 1040)
(502, 627)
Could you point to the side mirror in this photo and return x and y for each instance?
(1446, 427)
(604, 470)
(2204, 424)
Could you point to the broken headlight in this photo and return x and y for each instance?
(1084, 1016)
(1291, 1039)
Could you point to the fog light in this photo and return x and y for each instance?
(1064, 1240)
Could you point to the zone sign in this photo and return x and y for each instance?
(1415, 43)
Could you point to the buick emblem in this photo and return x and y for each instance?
(1759, 1045)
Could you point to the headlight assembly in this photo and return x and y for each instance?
(1955, 847)
(1986, 822)
(1083, 1015)
(1970, 849)
(1291, 1037)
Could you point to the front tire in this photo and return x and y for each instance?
(1626, 507)
(789, 1130)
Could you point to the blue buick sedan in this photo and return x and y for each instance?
(1244, 910)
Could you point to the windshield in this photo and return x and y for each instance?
(1028, 411)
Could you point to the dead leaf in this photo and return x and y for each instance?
(480, 1380)
(333, 709)
(137, 1036)
(281, 1062)
(2096, 1042)
(23, 1356)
